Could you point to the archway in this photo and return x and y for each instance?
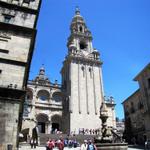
(57, 97)
(56, 123)
(43, 95)
(42, 121)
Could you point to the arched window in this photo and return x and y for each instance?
(81, 29)
(29, 95)
(132, 107)
(57, 97)
(83, 70)
(90, 70)
(140, 105)
(43, 95)
(83, 45)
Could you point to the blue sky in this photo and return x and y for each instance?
(121, 32)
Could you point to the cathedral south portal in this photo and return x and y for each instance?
(75, 104)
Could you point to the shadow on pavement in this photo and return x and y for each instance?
(136, 146)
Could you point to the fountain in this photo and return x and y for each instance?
(108, 139)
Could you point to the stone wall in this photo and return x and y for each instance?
(17, 37)
(9, 114)
(85, 97)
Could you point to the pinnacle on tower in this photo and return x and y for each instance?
(42, 70)
(77, 12)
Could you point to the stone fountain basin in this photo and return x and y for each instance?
(112, 146)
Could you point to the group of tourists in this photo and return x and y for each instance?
(61, 144)
(88, 131)
(88, 145)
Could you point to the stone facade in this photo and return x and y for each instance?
(137, 108)
(17, 36)
(79, 97)
(43, 105)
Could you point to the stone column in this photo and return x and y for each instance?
(87, 96)
(70, 97)
(101, 82)
(94, 92)
(79, 102)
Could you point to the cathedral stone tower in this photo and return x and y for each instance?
(18, 20)
(81, 79)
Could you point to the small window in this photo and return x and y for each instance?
(7, 18)
(132, 108)
(15, 0)
(149, 83)
(83, 70)
(81, 29)
(26, 1)
(140, 105)
(90, 70)
(82, 45)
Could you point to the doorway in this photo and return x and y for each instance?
(41, 127)
(42, 120)
(55, 127)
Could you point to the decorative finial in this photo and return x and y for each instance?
(42, 70)
(77, 10)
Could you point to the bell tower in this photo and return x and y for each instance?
(81, 79)
(80, 35)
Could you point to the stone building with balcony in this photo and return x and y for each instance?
(137, 109)
(43, 105)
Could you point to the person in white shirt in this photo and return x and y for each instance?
(84, 146)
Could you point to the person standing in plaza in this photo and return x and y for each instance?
(34, 143)
(84, 146)
(31, 143)
(91, 145)
(47, 144)
(60, 144)
(51, 145)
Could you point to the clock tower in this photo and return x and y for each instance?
(81, 79)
